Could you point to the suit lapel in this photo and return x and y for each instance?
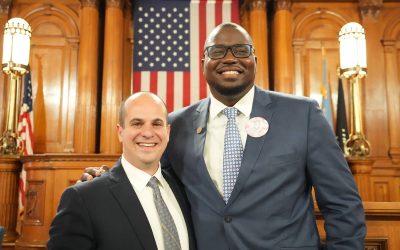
(200, 122)
(124, 194)
(261, 108)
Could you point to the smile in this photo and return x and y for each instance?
(142, 144)
(231, 72)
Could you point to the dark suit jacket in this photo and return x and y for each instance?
(271, 206)
(106, 214)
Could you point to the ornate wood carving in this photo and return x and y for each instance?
(115, 3)
(90, 3)
(257, 4)
(35, 195)
(370, 9)
(5, 6)
(282, 5)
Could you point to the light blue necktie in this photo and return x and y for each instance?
(169, 231)
(233, 152)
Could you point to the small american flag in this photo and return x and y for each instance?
(25, 132)
(169, 38)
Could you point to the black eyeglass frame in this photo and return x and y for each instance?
(206, 49)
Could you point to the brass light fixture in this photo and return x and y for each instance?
(353, 66)
(16, 47)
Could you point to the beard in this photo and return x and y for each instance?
(231, 90)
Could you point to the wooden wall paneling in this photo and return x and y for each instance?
(361, 170)
(391, 46)
(373, 89)
(383, 225)
(9, 176)
(316, 27)
(53, 66)
(48, 175)
(385, 188)
(298, 67)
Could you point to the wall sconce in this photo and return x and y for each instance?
(16, 47)
(353, 66)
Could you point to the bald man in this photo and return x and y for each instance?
(117, 211)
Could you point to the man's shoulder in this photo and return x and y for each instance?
(188, 111)
(98, 183)
(283, 97)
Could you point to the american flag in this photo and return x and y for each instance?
(169, 38)
(25, 132)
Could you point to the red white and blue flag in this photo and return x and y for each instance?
(25, 132)
(169, 41)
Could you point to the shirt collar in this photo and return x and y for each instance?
(138, 178)
(244, 105)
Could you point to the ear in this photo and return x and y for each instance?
(120, 130)
(255, 59)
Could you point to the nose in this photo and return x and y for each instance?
(147, 131)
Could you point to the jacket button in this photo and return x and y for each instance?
(227, 219)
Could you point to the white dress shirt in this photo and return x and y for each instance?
(139, 180)
(214, 145)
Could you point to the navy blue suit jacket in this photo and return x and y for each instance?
(106, 214)
(271, 206)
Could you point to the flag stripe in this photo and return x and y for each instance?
(170, 91)
(202, 38)
(186, 89)
(153, 82)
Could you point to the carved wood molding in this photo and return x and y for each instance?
(90, 3)
(370, 9)
(5, 6)
(68, 157)
(115, 4)
(283, 5)
(257, 4)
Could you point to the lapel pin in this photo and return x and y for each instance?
(257, 127)
(199, 129)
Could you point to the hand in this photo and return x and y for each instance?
(92, 172)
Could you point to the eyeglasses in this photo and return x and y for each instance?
(238, 51)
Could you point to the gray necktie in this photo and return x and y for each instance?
(233, 152)
(169, 231)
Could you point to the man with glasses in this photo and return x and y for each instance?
(248, 159)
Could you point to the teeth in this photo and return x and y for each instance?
(147, 144)
(230, 73)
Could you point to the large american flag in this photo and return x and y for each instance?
(169, 38)
(25, 132)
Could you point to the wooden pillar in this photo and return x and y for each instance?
(85, 117)
(9, 176)
(4, 12)
(259, 32)
(282, 46)
(392, 95)
(361, 169)
(112, 76)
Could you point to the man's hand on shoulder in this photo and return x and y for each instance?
(92, 172)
